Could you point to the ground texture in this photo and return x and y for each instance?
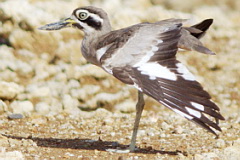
(55, 105)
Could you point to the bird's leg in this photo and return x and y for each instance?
(139, 108)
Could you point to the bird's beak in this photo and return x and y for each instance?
(68, 22)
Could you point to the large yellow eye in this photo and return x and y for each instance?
(83, 15)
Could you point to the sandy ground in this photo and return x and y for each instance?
(70, 109)
(162, 135)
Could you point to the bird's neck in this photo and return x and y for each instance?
(91, 39)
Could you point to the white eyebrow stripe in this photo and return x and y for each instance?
(96, 17)
(82, 10)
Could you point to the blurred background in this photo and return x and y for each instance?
(46, 71)
(44, 78)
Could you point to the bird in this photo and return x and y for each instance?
(144, 56)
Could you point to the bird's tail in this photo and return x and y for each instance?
(199, 30)
(190, 37)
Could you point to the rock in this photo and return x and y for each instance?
(15, 116)
(77, 72)
(42, 108)
(178, 130)
(11, 155)
(9, 76)
(126, 106)
(36, 91)
(106, 97)
(72, 83)
(3, 106)
(236, 143)
(24, 69)
(207, 156)
(22, 107)
(9, 90)
(220, 143)
(85, 91)
(38, 121)
(165, 126)
(56, 105)
(6, 54)
(69, 102)
(232, 152)
(3, 142)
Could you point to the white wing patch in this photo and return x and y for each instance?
(185, 72)
(198, 106)
(154, 70)
(182, 113)
(147, 57)
(176, 110)
(100, 52)
(193, 112)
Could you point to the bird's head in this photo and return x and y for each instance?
(88, 19)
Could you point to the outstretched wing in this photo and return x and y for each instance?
(148, 62)
(178, 90)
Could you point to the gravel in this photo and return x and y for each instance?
(15, 116)
(55, 105)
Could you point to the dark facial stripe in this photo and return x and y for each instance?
(76, 25)
(92, 23)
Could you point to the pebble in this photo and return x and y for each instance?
(178, 130)
(105, 97)
(69, 102)
(36, 91)
(112, 134)
(207, 156)
(86, 70)
(38, 121)
(42, 108)
(15, 116)
(165, 126)
(232, 152)
(9, 90)
(141, 132)
(85, 91)
(236, 142)
(3, 106)
(10, 155)
(67, 90)
(22, 107)
(24, 69)
(69, 154)
(151, 134)
(126, 106)
(73, 84)
(220, 143)
(3, 141)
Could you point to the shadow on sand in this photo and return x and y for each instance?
(87, 144)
